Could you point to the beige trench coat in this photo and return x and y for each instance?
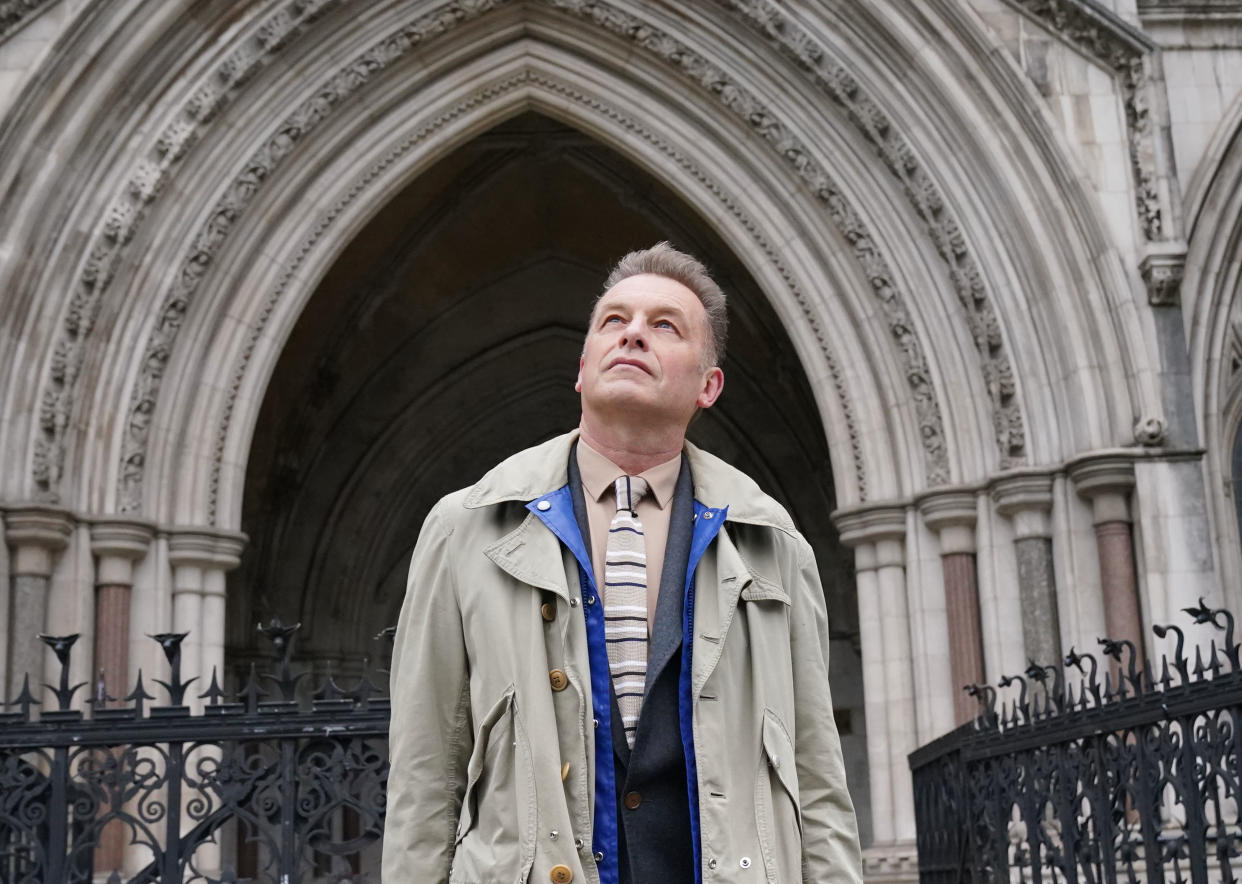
(491, 742)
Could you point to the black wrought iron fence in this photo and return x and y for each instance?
(284, 781)
(1111, 770)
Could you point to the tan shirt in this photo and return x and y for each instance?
(654, 511)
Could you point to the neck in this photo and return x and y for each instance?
(633, 449)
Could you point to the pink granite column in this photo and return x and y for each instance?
(961, 595)
(117, 544)
(1122, 618)
(951, 514)
(1107, 482)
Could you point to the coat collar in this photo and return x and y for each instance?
(537, 471)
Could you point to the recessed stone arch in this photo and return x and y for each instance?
(1212, 298)
(564, 97)
(882, 171)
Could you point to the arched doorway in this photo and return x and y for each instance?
(446, 337)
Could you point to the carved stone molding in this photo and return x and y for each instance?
(1126, 51)
(15, 13)
(1026, 498)
(763, 122)
(494, 91)
(871, 524)
(205, 548)
(144, 184)
(924, 196)
(1106, 480)
(951, 513)
(1150, 432)
(37, 534)
(117, 544)
(1163, 272)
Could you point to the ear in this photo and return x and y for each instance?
(578, 383)
(713, 386)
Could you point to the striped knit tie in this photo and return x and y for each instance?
(625, 603)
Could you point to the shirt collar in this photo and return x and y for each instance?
(598, 474)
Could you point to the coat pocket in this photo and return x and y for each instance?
(496, 829)
(777, 806)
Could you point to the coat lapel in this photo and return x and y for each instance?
(532, 554)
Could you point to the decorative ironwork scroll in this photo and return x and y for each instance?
(1110, 769)
(282, 781)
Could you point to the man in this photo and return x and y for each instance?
(612, 660)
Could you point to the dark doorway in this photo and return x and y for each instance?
(445, 338)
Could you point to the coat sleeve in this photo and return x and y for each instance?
(430, 735)
(830, 850)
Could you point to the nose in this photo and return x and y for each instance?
(634, 334)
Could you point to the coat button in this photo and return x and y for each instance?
(561, 874)
(559, 680)
(633, 800)
(548, 611)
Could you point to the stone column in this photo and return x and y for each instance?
(37, 535)
(877, 535)
(227, 556)
(951, 513)
(1026, 498)
(200, 558)
(117, 544)
(1107, 481)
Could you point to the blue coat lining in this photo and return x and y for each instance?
(559, 518)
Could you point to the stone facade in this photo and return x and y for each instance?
(266, 263)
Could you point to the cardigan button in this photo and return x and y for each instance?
(561, 875)
(548, 611)
(558, 679)
(633, 800)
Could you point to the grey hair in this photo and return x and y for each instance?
(664, 260)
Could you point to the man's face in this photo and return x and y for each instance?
(645, 356)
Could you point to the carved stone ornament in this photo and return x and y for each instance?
(770, 21)
(494, 91)
(116, 229)
(1163, 273)
(15, 13)
(735, 97)
(279, 28)
(1124, 50)
(1150, 432)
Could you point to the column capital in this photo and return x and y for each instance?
(205, 548)
(1163, 268)
(121, 537)
(1026, 497)
(871, 523)
(1021, 490)
(37, 532)
(1106, 480)
(118, 542)
(951, 512)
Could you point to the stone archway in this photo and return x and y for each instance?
(446, 337)
(962, 317)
